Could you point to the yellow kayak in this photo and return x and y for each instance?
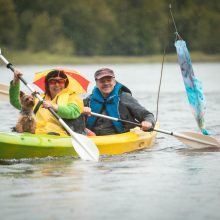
(15, 146)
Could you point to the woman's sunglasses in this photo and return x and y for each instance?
(53, 82)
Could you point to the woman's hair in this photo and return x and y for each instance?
(52, 74)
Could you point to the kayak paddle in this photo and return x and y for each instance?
(192, 139)
(84, 147)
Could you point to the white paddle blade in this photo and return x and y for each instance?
(85, 148)
(196, 140)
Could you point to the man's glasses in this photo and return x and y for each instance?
(53, 82)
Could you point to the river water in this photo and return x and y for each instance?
(169, 181)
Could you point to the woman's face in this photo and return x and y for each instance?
(56, 84)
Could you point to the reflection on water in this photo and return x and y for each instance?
(169, 181)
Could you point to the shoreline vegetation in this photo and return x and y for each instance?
(45, 58)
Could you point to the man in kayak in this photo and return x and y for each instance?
(111, 98)
(58, 96)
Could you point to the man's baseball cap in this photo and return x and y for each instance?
(104, 72)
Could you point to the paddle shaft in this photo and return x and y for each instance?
(178, 135)
(114, 119)
(10, 66)
(65, 126)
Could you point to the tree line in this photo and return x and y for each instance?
(108, 27)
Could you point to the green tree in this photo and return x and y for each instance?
(8, 24)
(197, 22)
(208, 31)
(87, 23)
(109, 27)
(139, 27)
(46, 34)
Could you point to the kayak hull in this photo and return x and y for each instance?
(25, 145)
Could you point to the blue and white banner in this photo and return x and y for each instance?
(193, 86)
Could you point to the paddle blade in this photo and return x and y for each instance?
(4, 92)
(196, 140)
(85, 148)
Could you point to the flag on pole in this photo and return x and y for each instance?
(193, 86)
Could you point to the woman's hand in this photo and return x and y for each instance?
(87, 111)
(48, 104)
(16, 79)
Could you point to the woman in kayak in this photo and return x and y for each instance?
(58, 96)
(111, 98)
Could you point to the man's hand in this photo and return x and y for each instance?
(145, 125)
(87, 111)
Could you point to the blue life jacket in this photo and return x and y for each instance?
(111, 105)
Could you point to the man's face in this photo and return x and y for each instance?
(106, 85)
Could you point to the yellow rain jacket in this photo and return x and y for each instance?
(70, 106)
(46, 122)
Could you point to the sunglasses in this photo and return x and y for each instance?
(53, 82)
